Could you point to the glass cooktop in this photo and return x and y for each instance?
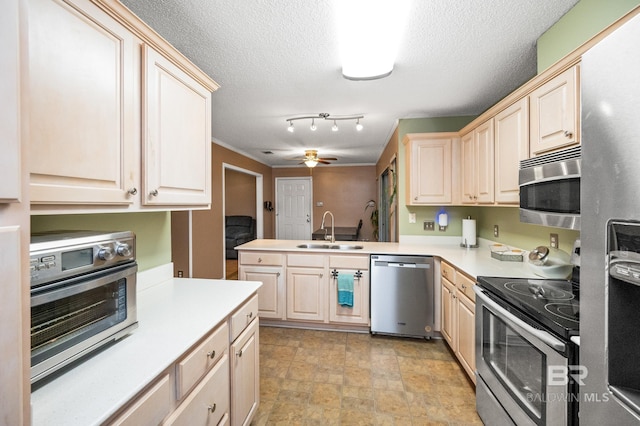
(555, 304)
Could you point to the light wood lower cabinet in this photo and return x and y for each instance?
(208, 404)
(358, 268)
(245, 378)
(458, 316)
(267, 268)
(303, 286)
(216, 382)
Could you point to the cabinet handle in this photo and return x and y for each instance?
(464, 286)
(321, 275)
(211, 408)
(415, 198)
(259, 260)
(453, 296)
(132, 191)
(568, 134)
(211, 354)
(239, 353)
(475, 197)
(154, 193)
(250, 315)
(277, 274)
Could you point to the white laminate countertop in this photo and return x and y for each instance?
(472, 261)
(173, 315)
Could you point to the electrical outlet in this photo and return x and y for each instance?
(429, 225)
(180, 274)
(412, 218)
(495, 231)
(553, 240)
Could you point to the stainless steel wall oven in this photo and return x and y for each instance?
(524, 353)
(83, 295)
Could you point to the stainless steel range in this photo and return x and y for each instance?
(524, 354)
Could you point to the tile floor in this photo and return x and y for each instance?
(310, 377)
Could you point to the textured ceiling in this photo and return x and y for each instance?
(279, 58)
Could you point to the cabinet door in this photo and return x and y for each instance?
(511, 146)
(448, 313)
(555, 113)
(468, 169)
(466, 347)
(176, 133)
(306, 288)
(484, 162)
(245, 376)
(271, 295)
(9, 103)
(82, 79)
(430, 171)
(359, 313)
(149, 408)
(208, 404)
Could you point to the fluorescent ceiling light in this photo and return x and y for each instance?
(369, 33)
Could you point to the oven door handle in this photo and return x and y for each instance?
(508, 317)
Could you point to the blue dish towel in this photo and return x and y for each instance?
(345, 290)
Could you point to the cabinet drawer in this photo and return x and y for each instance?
(198, 361)
(349, 262)
(149, 408)
(465, 284)
(448, 271)
(208, 404)
(261, 258)
(243, 317)
(308, 260)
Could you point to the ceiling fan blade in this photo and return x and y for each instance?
(328, 159)
(320, 160)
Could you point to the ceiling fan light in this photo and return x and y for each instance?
(313, 125)
(290, 129)
(334, 128)
(359, 126)
(311, 163)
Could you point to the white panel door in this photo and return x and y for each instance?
(293, 208)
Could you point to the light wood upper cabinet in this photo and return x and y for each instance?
(555, 113)
(429, 167)
(82, 135)
(177, 135)
(477, 171)
(115, 125)
(511, 146)
(10, 189)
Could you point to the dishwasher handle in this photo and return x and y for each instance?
(412, 265)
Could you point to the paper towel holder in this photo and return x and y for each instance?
(466, 245)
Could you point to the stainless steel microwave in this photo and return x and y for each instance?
(550, 189)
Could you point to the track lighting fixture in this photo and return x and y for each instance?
(325, 116)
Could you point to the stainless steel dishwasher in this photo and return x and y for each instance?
(402, 295)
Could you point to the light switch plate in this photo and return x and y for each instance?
(412, 218)
(553, 240)
(429, 225)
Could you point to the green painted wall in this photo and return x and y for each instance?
(583, 21)
(152, 229)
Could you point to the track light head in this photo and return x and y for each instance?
(290, 128)
(334, 128)
(359, 126)
(313, 125)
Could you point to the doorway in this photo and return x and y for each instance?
(239, 201)
(294, 208)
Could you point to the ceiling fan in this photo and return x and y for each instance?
(311, 158)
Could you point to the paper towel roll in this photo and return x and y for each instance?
(468, 232)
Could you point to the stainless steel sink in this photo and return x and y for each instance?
(330, 246)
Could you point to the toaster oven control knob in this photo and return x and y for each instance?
(123, 249)
(105, 253)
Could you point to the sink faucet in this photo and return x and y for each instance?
(333, 236)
